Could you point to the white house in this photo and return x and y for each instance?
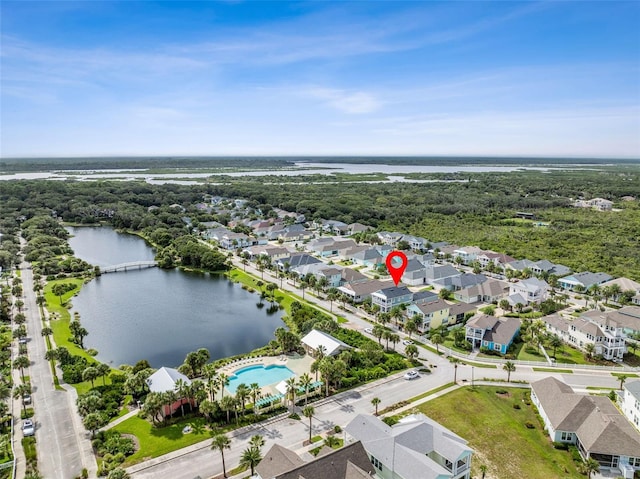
(533, 290)
(592, 423)
(630, 402)
(416, 447)
(468, 254)
(167, 379)
(388, 298)
(316, 339)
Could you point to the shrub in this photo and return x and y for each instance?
(337, 429)
(501, 391)
(563, 446)
(529, 425)
(389, 421)
(294, 416)
(516, 406)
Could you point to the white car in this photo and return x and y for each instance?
(409, 375)
(407, 342)
(368, 330)
(28, 429)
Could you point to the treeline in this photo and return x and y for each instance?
(477, 211)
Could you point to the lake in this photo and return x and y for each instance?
(161, 315)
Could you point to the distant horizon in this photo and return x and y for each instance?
(331, 78)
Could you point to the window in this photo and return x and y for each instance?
(566, 436)
(496, 347)
(448, 464)
(634, 461)
(377, 464)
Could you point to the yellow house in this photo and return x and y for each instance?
(433, 314)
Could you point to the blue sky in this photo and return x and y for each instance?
(320, 78)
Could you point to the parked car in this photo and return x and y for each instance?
(368, 330)
(407, 342)
(409, 375)
(28, 429)
(22, 341)
(26, 399)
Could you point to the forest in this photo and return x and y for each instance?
(477, 209)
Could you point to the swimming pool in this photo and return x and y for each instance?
(263, 375)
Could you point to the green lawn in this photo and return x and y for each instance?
(628, 375)
(155, 442)
(60, 327)
(497, 433)
(431, 392)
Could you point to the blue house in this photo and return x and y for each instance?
(496, 334)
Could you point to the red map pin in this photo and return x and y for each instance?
(397, 270)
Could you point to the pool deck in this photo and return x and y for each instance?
(298, 364)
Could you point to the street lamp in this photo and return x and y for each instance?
(471, 377)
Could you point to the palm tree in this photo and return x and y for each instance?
(305, 382)
(589, 467)
(375, 401)
(292, 387)
(220, 443)
(223, 382)
(455, 361)
(332, 295)
(227, 404)
(103, 370)
(90, 374)
(378, 332)
(555, 342)
(622, 378)
(308, 412)
(509, 367)
(180, 388)
(437, 339)
(21, 362)
(411, 325)
(589, 349)
(254, 390)
(257, 441)
(242, 393)
(411, 351)
(483, 470)
(250, 458)
(20, 391)
(331, 441)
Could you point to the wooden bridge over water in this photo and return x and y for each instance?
(128, 266)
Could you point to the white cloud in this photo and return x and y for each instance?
(353, 103)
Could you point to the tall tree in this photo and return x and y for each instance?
(220, 443)
(509, 367)
(375, 402)
(308, 412)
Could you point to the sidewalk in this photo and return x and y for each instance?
(120, 419)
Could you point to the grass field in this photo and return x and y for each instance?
(155, 442)
(553, 370)
(497, 433)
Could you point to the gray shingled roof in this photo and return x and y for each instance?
(333, 465)
(277, 460)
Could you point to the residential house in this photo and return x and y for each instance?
(439, 272)
(332, 274)
(582, 280)
(590, 328)
(371, 258)
(468, 254)
(273, 253)
(293, 261)
(236, 240)
(360, 291)
(490, 291)
(498, 259)
(167, 379)
(415, 274)
(458, 311)
(335, 227)
(432, 315)
(630, 402)
(415, 243)
(532, 290)
(599, 204)
(520, 265)
(358, 228)
(390, 238)
(390, 297)
(496, 334)
(422, 297)
(546, 268)
(350, 276)
(348, 462)
(625, 284)
(315, 339)
(460, 281)
(416, 447)
(329, 246)
(592, 423)
(294, 236)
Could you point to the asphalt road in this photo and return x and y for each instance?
(63, 445)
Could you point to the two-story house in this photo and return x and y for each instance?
(388, 298)
(416, 447)
(431, 315)
(496, 334)
(532, 290)
(468, 254)
(630, 402)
